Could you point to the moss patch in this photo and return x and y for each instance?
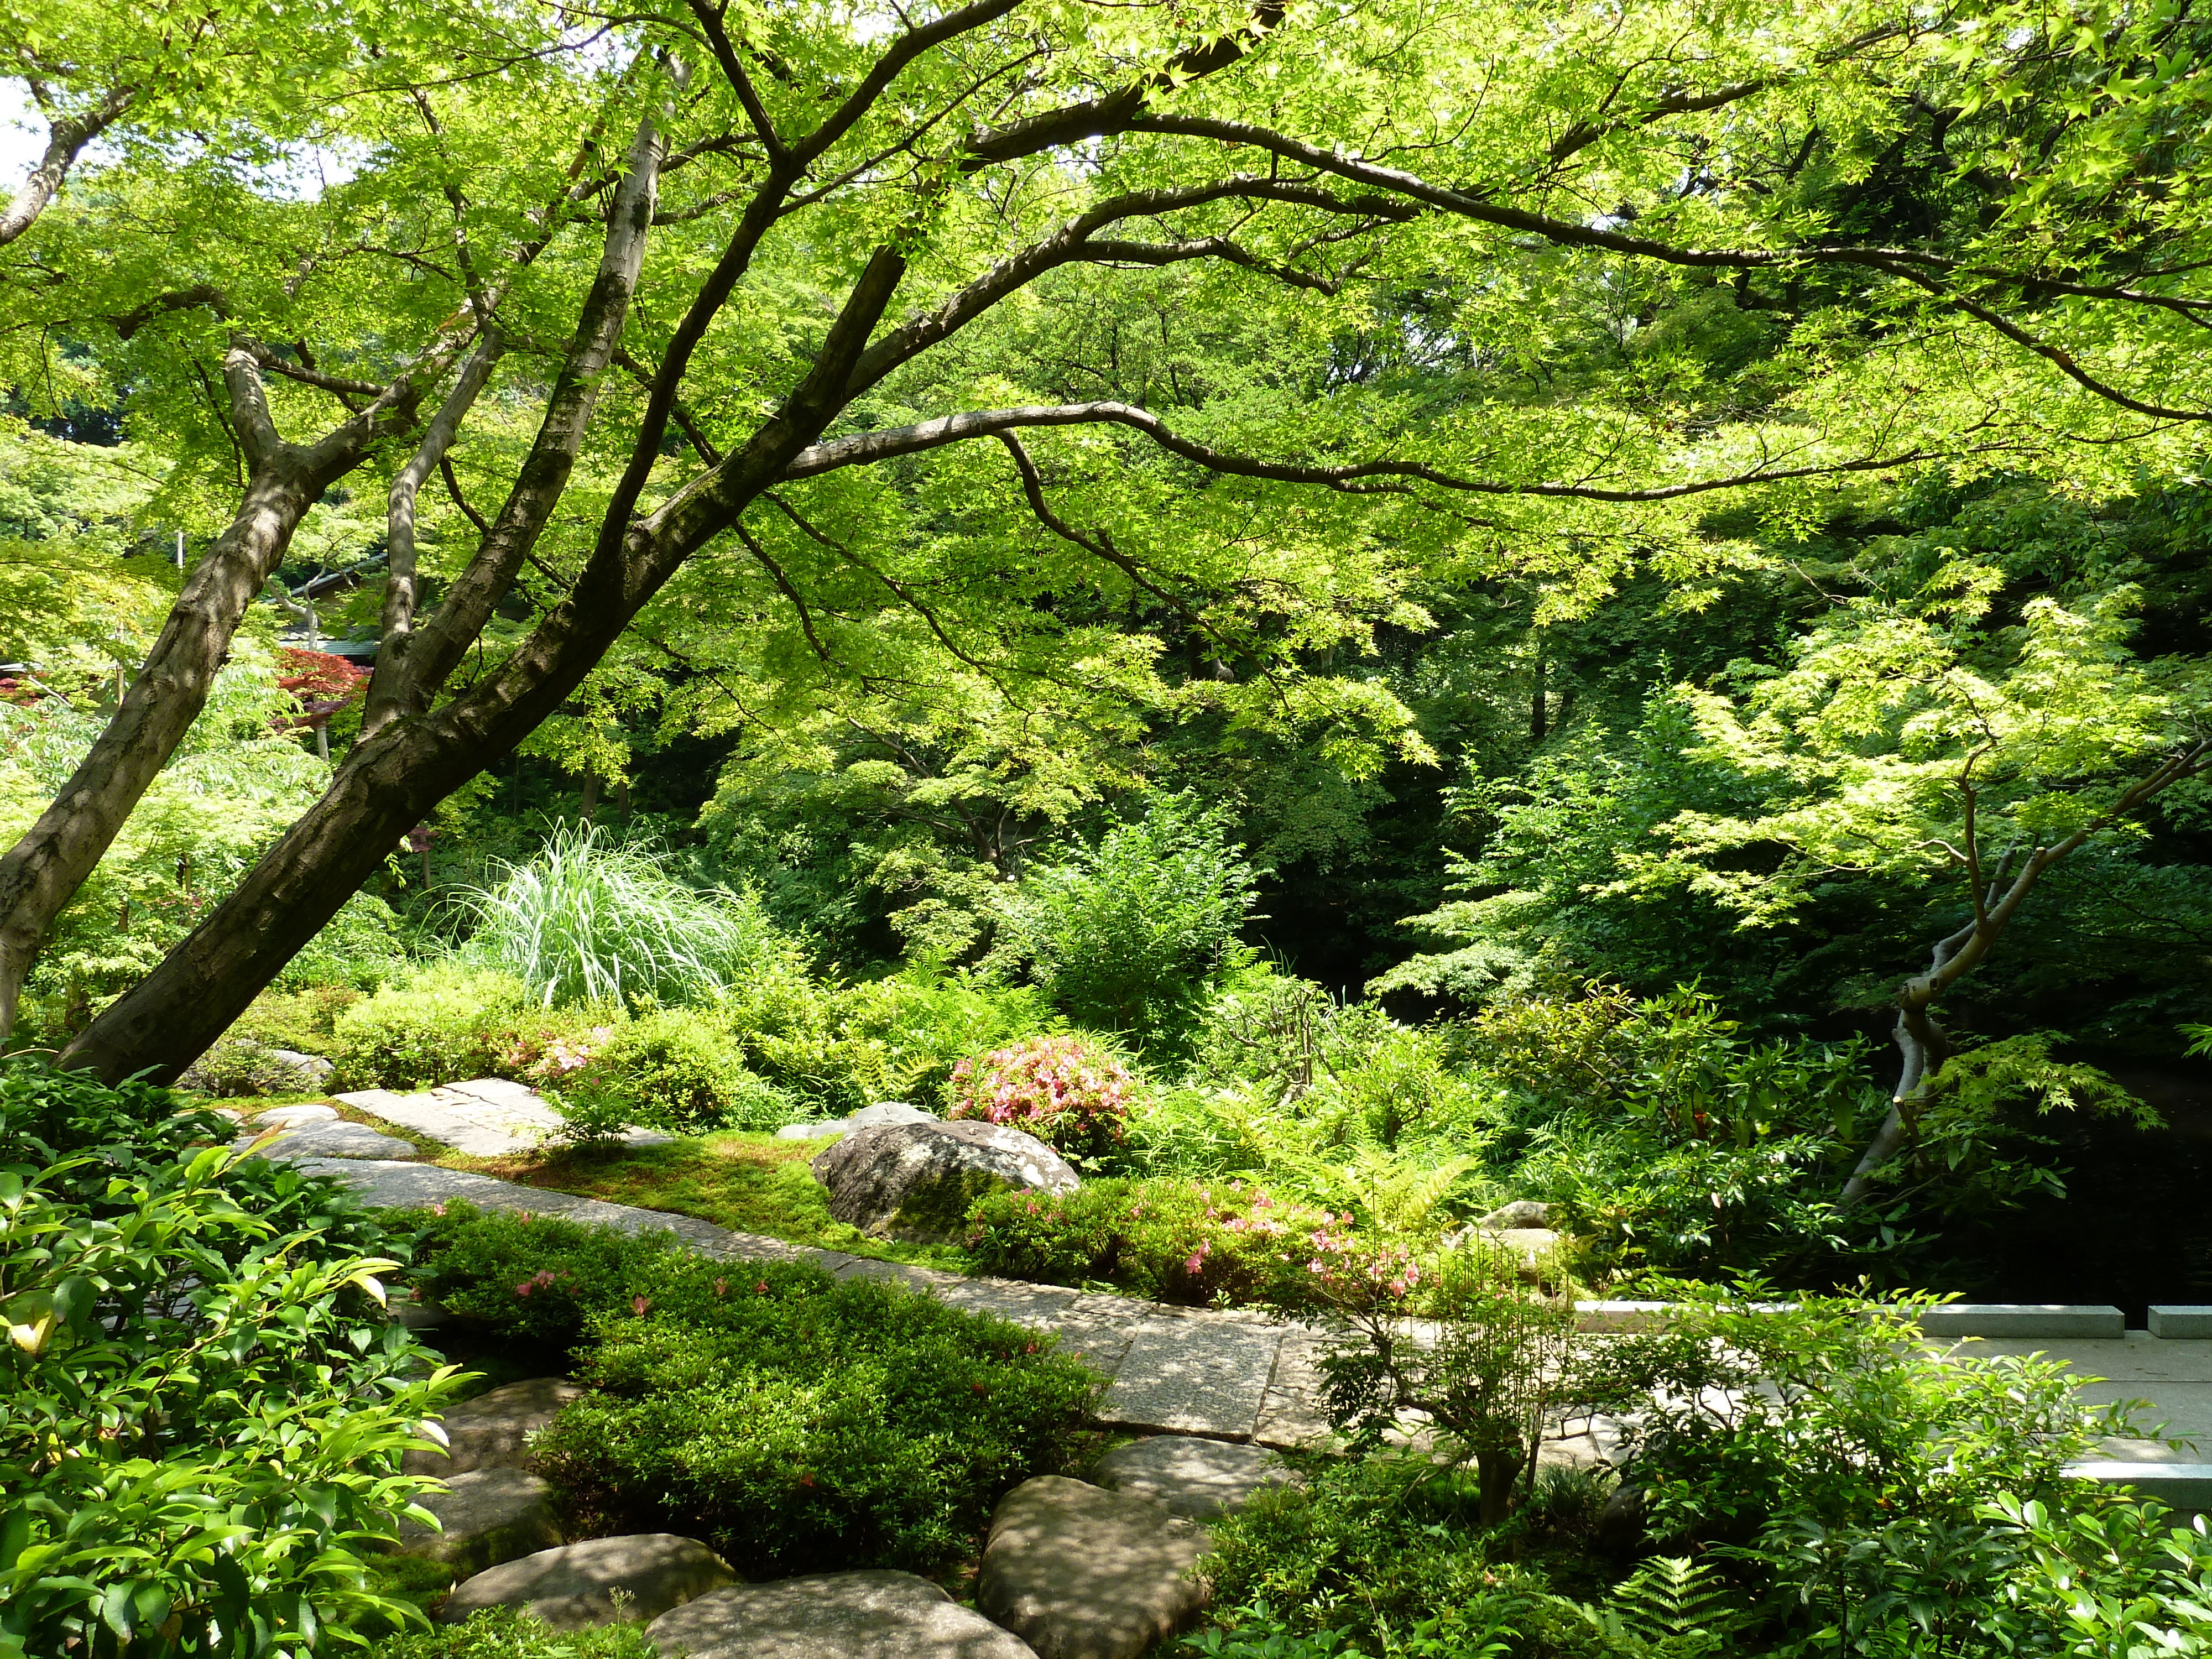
(750, 1184)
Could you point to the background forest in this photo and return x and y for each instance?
(1353, 614)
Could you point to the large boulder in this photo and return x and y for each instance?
(1185, 1475)
(1081, 1573)
(602, 1581)
(836, 1615)
(493, 1431)
(485, 1517)
(916, 1180)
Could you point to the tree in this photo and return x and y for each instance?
(812, 221)
(1914, 743)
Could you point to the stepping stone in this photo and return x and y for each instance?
(834, 1615)
(602, 1581)
(291, 1117)
(1290, 1414)
(338, 1140)
(486, 1117)
(821, 1131)
(1198, 1480)
(493, 1431)
(868, 1117)
(1081, 1573)
(488, 1516)
(1192, 1376)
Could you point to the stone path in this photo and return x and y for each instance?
(1230, 1376)
(1176, 1370)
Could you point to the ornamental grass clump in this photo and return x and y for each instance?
(590, 920)
(1068, 1093)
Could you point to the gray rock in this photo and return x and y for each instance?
(1198, 1480)
(821, 1131)
(916, 1180)
(493, 1431)
(835, 1615)
(602, 1581)
(338, 1140)
(487, 1516)
(292, 1117)
(888, 1111)
(1081, 1573)
(1521, 1212)
(868, 1117)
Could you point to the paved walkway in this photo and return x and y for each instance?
(1229, 1374)
(1226, 1374)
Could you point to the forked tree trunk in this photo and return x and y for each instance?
(42, 872)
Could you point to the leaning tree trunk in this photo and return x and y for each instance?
(43, 871)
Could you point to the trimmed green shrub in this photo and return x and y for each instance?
(421, 1031)
(1173, 1240)
(1068, 1093)
(683, 1071)
(794, 1421)
(532, 1278)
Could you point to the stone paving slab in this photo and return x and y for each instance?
(315, 1141)
(487, 1117)
(1190, 1376)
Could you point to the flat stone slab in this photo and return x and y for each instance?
(2024, 1319)
(1290, 1414)
(1192, 1376)
(602, 1581)
(486, 1117)
(292, 1117)
(834, 1615)
(493, 1431)
(1079, 1572)
(487, 1516)
(1197, 1480)
(2177, 1486)
(332, 1139)
(2181, 1322)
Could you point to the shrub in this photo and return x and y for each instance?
(425, 1030)
(900, 1037)
(794, 1421)
(1062, 1090)
(1187, 1242)
(1127, 936)
(510, 1634)
(683, 1071)
(590, 920)
(1386, 1551)
(202, 1406)
(531, 1278)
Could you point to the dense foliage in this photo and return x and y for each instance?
(204, 1406)
(796, 1422)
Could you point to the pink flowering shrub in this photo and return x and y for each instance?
(1065, 1091)
(1195, 1243)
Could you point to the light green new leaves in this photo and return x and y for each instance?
(1912, 741)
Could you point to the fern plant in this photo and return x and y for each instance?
(1671, 1608)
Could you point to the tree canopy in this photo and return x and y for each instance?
(962, 412)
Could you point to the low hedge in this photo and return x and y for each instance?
(794, 1421)
(1169, 1238)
